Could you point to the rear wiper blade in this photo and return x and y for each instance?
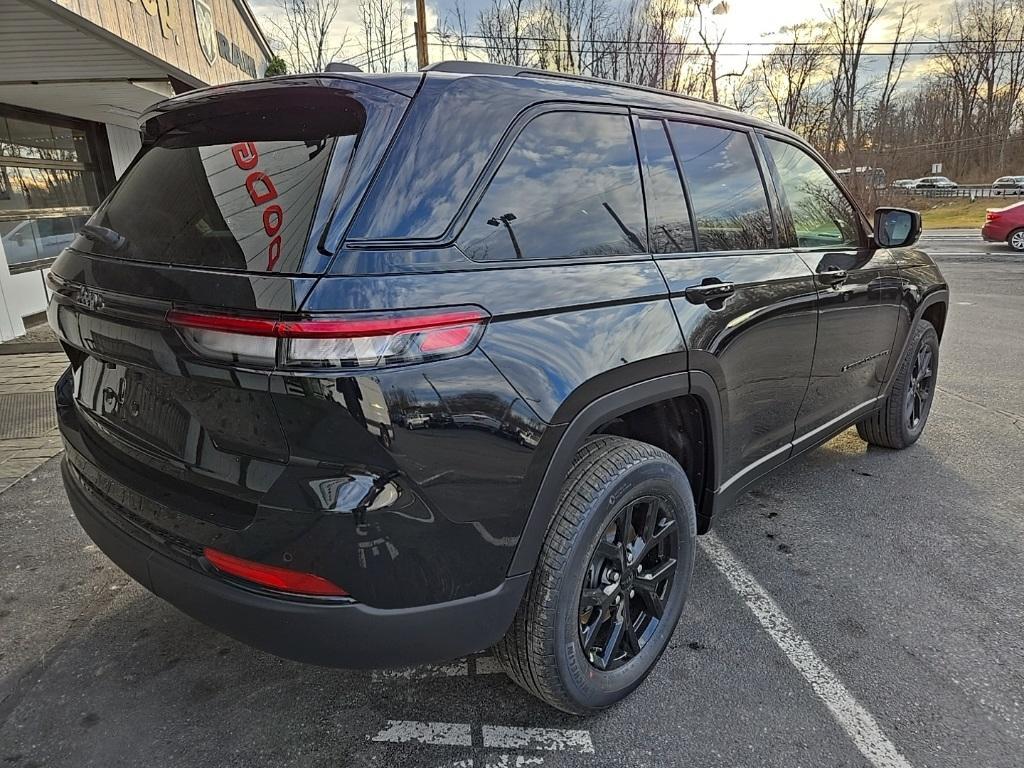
(104, 236)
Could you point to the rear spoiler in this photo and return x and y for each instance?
(264, 96)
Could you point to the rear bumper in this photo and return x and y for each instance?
(327, 633)
(993, 234)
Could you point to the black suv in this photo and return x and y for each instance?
(380, 370)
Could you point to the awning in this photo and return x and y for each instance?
(56, 61)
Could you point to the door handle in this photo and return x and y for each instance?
(711, 291)
(832, 276)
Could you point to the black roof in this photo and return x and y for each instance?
(575, 86)
(612, 91)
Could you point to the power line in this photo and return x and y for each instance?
(963, 140)
(783, 43)
(363, 58)
(973, 147)
(621, 45)
(404, 50)
(375, 50)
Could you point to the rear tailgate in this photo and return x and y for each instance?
(234, 204)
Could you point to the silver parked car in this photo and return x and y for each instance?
(1008, 185)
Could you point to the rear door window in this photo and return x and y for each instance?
(730, 205)
(667, 213)
(569, 187)
(239, 193)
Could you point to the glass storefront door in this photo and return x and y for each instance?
(49, 185)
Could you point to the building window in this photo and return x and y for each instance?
(49, 185)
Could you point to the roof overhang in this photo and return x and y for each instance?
(57, 61)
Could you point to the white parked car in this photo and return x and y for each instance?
(934, 182)
(904, 184)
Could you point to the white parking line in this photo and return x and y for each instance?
(492, 737)
(550, 739)
(445, 734)
(498, 761)
(859, 724)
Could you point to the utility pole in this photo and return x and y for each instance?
(420, 30)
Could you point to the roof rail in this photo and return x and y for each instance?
(487, 68)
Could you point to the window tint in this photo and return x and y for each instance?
(822, 216)
(570, 186)
(729, 203)
(668, 216)
(246, 191)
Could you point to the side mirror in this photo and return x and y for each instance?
(896, 227)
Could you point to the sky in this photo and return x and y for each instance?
(746, 21)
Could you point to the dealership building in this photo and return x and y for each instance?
(75, 76)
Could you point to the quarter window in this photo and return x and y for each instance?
(668, 215)
(730, 207)
(822, 216)
(570, 186)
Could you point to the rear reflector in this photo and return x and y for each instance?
(283, 579)
(353, 341)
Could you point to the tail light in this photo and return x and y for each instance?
(282, 579)
(341, 341)
(991, 215)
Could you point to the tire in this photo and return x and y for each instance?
(901, 419)
(1016, 240)
(615, 487)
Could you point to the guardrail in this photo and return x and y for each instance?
(971, 191)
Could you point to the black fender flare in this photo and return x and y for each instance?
(938, 296)
(600, 411)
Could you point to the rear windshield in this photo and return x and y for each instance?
(250, 192)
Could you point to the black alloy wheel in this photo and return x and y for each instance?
(627, 582)
(919, 387)
(901, 419)
(611, 578)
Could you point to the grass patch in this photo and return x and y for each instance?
(954, 212)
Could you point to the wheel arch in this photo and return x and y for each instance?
(697, 390)
(933, 307)
(935, 313)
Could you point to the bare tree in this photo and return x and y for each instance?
(711, 34)
(849, 23)
(453, 31)
(385, 35)
(646, 44)
(792, 73)
(983, 61)
(302, 33)
(897, 53)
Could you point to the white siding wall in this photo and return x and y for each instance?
(124, 145)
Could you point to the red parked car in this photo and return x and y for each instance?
(1005, 225)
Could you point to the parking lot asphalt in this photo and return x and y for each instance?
(861, 607)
